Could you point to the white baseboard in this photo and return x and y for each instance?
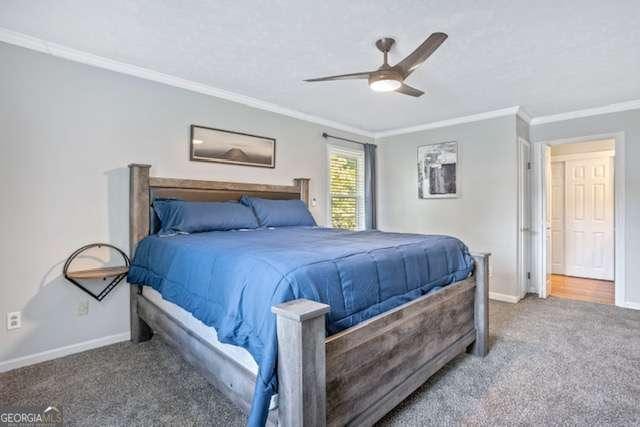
(632, 305)
(503, 297)
(32, 359)
(56, 353)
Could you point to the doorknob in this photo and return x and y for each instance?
(525, 229)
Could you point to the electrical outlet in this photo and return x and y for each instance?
(83, 308)
(14, 320)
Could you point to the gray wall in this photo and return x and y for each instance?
(629, 123)
(484, 217)
(68, 133)
(69, 130)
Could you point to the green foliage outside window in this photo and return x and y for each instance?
(344, 191)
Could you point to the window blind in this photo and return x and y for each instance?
(346, 188)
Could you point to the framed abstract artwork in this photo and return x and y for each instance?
(438, 171)
(225, 146)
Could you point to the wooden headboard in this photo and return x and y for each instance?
(145, 189)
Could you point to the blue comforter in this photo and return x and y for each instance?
(229, 280)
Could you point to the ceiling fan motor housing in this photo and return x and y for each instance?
(388, 74)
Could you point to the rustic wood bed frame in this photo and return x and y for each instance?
(351, 378)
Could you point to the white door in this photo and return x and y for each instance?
(589, 218)
(525, 216)
(556, 217)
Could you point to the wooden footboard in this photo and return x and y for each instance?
(369, 364)
(360, 374)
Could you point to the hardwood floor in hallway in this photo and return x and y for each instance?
(581, 289)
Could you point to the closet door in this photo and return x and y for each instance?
(589, 218)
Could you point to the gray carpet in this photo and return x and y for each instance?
(552, 362)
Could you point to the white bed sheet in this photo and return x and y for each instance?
(205, 332)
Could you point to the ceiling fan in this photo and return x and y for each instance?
(388, 78)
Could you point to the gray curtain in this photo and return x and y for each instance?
(370, 198)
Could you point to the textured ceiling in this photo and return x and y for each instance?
(547, 56)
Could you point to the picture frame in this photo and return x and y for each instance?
(438, 170)
(215, 145)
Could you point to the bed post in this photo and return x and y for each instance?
(481, 306)
(301, 363)
(303, 185)
(138, 229)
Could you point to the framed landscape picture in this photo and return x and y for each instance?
(225, 146)
(438, 170)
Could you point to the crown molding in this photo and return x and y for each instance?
(607, 109)
(33, 43)
(511, 111)
(524, 115)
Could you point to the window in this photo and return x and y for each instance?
(346, 188)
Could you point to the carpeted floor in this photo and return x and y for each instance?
(552, 362)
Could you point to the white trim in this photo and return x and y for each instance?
(607, 109)
(620, 213)
(539, 228)
(521, 173)
(503, 297)
(580, 156)
(524, 115)
(511, 111)
(632, 305)
(54, 49)
(56, 353)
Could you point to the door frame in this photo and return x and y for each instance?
(524, 283)
(540, 205)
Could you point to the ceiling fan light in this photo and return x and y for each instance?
(385, 85)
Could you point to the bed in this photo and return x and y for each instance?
(400, 306)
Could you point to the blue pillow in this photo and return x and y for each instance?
(279, 213)
(192, 217)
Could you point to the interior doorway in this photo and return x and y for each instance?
(581, 207)
(580, 216)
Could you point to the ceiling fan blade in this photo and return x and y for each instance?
(418, 56)
(408, 90)
(364, 75)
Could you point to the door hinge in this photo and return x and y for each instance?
(528, 275)
(529, 165)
